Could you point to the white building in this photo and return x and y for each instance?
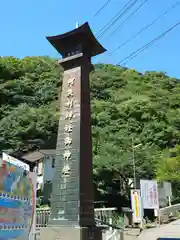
(43, 163)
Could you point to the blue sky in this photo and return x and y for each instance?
(25, 24)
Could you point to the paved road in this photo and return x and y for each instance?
(169, 230)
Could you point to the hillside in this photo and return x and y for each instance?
(126, 105)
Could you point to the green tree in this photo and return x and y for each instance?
(125, 104)
(168, 168)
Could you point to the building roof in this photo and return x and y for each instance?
(32, 156)
(48, 152)
(79, 36)
(35, 156)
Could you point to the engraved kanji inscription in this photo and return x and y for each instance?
(68, 141)
(66, 170)
(69, 103)
(68, 128)
(69, 115)
(70, 92)
(71, 82)
(66, 155)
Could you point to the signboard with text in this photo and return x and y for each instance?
(136, 206)
(149, 194)
(164, 193)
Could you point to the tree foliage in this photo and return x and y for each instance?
(168, 168)
(125, 104)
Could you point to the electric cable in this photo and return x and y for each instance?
(150, 43)
(102, 8)
(144, 28)
(120, 14)
(126, 20)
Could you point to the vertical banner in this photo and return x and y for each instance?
(16, 199)
(149, 194)
(136, 206)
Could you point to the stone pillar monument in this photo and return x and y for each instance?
(72, 208)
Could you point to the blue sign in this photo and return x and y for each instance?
(168, 239)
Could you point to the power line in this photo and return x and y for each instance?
(144, 28)
(123, 11)
(150, 43)
(126, 20)
(120, 14)
(102, 8)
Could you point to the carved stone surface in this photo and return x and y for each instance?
(69, 233)
(72, 195)
(72, 200)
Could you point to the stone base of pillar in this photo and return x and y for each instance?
(70, 233)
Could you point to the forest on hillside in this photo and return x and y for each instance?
(128, 108)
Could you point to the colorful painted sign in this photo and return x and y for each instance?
(33, 177)
(136, 206)
(17, 200)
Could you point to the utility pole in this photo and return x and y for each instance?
(134, 163)
(134, 170)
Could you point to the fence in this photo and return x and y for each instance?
(170, 210)
(103, 218)
(102, 214)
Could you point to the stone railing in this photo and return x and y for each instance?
(102, 214)
(104, 217)
(111, 231)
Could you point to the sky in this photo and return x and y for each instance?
(26, 23)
